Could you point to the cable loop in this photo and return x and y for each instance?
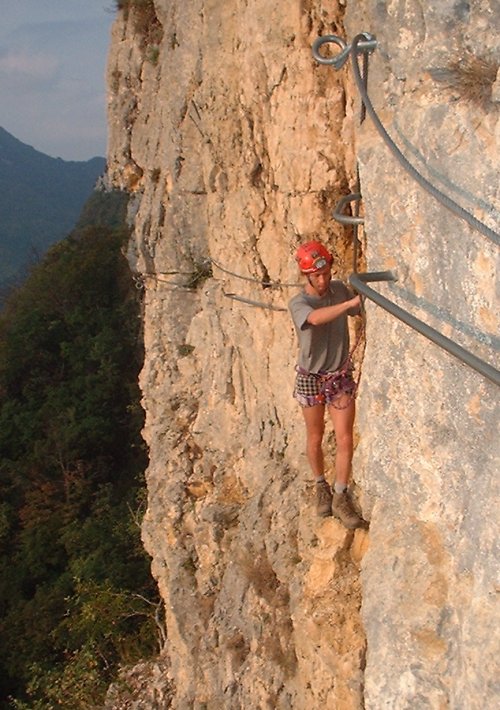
(405, 163)
(261, 282)
(359, 281)
(338, 211)
(367, 45)
(339, 59)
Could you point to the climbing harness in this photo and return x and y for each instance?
(313, 388)
(365, 43)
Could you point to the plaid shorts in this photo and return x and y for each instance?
(324, 387)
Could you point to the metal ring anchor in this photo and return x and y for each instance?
(338, 212)
(338, 61)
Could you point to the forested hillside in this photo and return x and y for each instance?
(40, 200)
(76, 596)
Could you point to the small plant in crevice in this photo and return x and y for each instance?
(127, 5)
(471, 78)
(280, 650)
(202, 270)
(184, 350)
(239, 648)
(189, 565)
(155, 175)
(146, 23)
(153, 54)
(116, 76)
(260, 575)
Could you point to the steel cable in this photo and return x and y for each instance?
(426, 184)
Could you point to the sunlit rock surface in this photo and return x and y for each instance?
(235, 145)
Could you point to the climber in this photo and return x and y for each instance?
(324, 375)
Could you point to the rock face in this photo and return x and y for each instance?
(235, 145)
(429, 452)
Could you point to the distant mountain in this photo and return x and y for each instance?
(40, 202)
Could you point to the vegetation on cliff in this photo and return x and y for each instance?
(147, 27)
(76, 595)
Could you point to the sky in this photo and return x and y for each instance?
(53, 57)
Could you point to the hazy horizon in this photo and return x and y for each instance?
(53, 57)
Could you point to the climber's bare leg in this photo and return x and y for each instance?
(314, 418)
(343, 425)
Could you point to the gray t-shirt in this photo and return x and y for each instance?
(322, 348)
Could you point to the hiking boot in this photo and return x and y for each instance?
(342, 509)
(323, 499)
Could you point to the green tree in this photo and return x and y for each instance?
(76, 595)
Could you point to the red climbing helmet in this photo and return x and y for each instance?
(313, 256)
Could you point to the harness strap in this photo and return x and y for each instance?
(338, 382)
(332, 385)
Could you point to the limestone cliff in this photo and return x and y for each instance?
(235, 145)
